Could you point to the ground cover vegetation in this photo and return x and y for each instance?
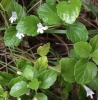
(48, 50)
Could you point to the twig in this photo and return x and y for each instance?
(62, 43)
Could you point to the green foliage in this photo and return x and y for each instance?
(41, 63)
(48, 13)
(94, 43)
(1, 90)
(29, 72)
(66, 90)
(14, 81)
(47, 78)
(10, 38)
(85, 71)
(94, 83)
(28, 25)
(5, 78)
(83, 49)
(37, 75)
(82, 93)
(50, 1)
(34, 84)
(43, 50)
(67, 69)
(95, 56)
(19, 89)
(40, 96)
(14, 6)
(5, 4)
(69, 11)
(77, 32)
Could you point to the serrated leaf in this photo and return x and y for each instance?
(77, 32)
(29, 72)
(10, 38)
(5, 78)
(19, 89)
(85, 71)
(34, 84)
(28, 25)
(67, 69)
(40, 96)
(95, 56)
(47, 78)
(6, 4)
(68, 11)
(83, 49)
(41, 64)
(43, 50)
(14, 6)
(94, 43)
(94, 83)
(48, 13)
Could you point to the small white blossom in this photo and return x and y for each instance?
(14, 17)
(89, 91)
(35, 98)
(28, 92)
(41, 28)
(19, 35)
(19, 72)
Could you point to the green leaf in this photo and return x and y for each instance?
(28, 25)
(47, 78)
(77, 32)
(14, 6)
(83, 49)
(41, 63)
(34, 84)
(1, 90)
(90, 5)
(19, 89)
(67, 69)
(82, 93)
(48, 14)
(51, 1)
(21, 63)
(94, 83)
(95, 56)
(14, 81)
(5, 78)
(66, 90)
(5, 4)
(85, 71)
(94, 43)
(29, 72)
(40, 96)
(74, 55)
(10, 38)
(69, 11)
(43, 50)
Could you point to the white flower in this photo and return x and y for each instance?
(35, 98)
(89, 91)
(19, 72)
(13, 18)
(19, 35)
(41, 28)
